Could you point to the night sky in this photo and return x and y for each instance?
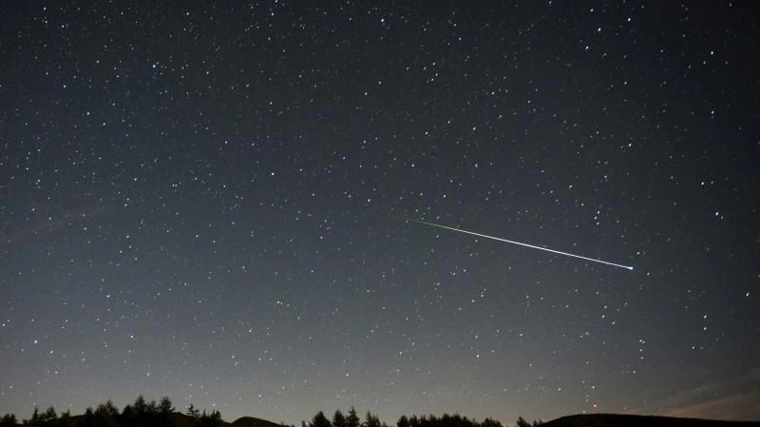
(216, 201)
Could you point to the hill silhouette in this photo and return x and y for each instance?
(618, 420)
(254, 422)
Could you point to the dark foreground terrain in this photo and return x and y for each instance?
(615, 420)
(163, 414)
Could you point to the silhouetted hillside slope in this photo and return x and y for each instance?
(615, 420)
(253, 422)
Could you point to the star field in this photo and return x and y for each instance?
(214, 201)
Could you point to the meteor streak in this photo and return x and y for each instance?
(522, 244)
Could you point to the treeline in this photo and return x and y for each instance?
(162, 414)
(139, 414)
(370, 420)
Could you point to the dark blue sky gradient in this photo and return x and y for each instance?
(210, 201)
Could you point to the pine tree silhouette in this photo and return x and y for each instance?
(192, 411)
(339, 420)
(8, 420)
(352, 420)
(165, 406)
(371, 420)
(522, 423)
(320, 420)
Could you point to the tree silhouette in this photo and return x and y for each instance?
(48, 415)
(127, 414)
(35, 417)
(8, 420)
(320, 420)
(107, 410)
(140, 406)
(371, 420)
(352, 420)
(192, 411)
(339, 420)
(106, 415)
(489, 422)
(212, 420)
(88, 419)
(522, 423)
(165, 406)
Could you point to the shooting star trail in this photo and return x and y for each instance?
(599, 261)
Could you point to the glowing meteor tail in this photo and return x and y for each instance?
(599, 261)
